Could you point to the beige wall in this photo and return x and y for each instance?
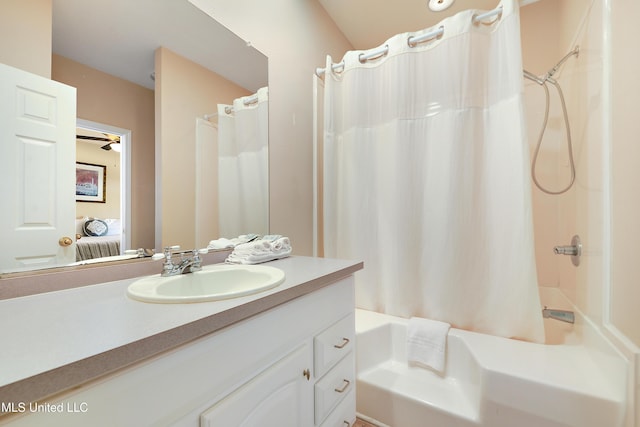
(609, 298)
(87, 152)
(184, 91)
(112, 101)
(25, 35)
(624, 292)
(540, 50)
(296, 36)
(580, 210)
(625, 289)
(584, 212)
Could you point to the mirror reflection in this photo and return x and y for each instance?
(161, 72)
(98, 227)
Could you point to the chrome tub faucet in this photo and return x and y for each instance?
(562, 315)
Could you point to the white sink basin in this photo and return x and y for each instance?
(213, 282)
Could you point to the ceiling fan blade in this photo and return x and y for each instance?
(106, 147)
(93, 138)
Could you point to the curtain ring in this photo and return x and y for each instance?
(414, 41)
(364, 58)
(338, 68)
(477, 19)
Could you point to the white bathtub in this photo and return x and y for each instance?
(489, 381)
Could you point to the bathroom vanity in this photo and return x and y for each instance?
(93, 356)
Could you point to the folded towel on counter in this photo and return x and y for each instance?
(220, 243)
(427, 342)
(224, 243)
(282, 244)
(255, 247)
(259, 251)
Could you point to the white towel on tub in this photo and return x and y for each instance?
(427, 342)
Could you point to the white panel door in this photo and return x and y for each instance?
(37, 160)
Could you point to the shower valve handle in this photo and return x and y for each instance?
(574, 250)
(566, 250)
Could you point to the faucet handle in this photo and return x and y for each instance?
(574, 250)
(566, 250)
(196, 264)
(169, 249)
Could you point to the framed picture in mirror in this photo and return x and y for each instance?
(91, 183)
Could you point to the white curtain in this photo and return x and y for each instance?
(426, 178)
(243, 165)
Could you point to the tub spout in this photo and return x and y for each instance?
(562, 315)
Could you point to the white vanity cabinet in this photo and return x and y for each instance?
(292, 365)
(278, 397)
(334, 369)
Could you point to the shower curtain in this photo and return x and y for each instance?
(243, 157)
(426, 177)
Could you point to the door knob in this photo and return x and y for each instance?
(65, 241)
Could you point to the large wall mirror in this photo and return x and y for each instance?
(187, 102)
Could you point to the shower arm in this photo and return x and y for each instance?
(551, 72)
(549, 76)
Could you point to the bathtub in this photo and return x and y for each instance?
(490, 381)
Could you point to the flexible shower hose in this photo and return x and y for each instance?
(539, 144)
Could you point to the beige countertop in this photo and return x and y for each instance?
(51, 342)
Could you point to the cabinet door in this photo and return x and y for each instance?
(279, 396)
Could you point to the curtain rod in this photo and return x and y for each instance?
(251, 99)
(227, 110)
(247, 101)
(413, 41)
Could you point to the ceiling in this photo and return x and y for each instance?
(126, 33)
(369, 23)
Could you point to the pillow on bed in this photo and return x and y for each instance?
(95, 227)
(115, 226)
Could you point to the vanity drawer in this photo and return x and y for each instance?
(344, 414)
(333, 344)
(333, 387)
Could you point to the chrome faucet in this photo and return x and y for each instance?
(187, 264)
(562, 315)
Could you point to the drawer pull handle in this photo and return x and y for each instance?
(347, 423)
(306, 373)
(344, 342)
(345, 384)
